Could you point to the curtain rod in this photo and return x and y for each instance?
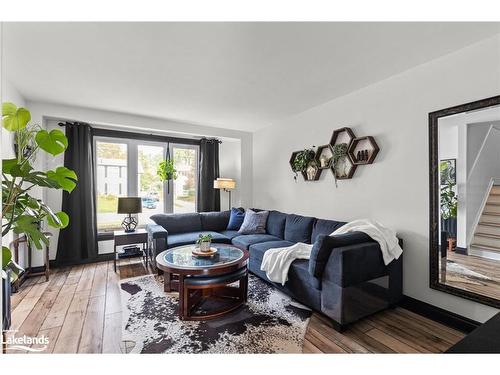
(143, 136)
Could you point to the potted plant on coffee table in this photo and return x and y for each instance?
(204, 241)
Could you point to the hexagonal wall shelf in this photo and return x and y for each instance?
(345, 170)
(342, 135)
(312, 174)
(323, 157)
(363, 150)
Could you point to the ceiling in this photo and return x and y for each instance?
(240, 76)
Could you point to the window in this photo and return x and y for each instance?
(127, 167)
(109, 156)
(185, 186)
(149, 186)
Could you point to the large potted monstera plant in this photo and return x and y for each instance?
(22, 211)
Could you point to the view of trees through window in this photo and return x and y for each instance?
(150, 187)
(128, 168)
(185, 185)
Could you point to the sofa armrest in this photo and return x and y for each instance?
(157, 239)
(325, 244)
(156, 231)
(354, 264)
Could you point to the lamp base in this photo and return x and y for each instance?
(129, 224)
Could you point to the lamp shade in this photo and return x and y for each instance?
(129, 205)
(224, 183)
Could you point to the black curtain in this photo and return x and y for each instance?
(208, 197)
(78, 241)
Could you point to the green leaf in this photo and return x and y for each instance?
(15, 270)
(14, 118)
(28, 225)
(59, 220)
(41, 179)
(65, 177)
(6, 256)
(54, 142)
(21, 170)
(7, 165)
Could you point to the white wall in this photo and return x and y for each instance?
(235, 150)
(230, 167)
(393, 190)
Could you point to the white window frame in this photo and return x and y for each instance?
(132, 166)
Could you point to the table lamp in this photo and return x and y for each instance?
(227, 184)
(129, 205)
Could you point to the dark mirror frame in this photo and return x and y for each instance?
(434, 199)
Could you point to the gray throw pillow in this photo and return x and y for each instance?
(254, 222)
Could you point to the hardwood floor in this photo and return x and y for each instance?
(486, 283)
(79, 311)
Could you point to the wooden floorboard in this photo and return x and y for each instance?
(79, 310)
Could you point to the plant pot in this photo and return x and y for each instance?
(205, 246)
(6, 306)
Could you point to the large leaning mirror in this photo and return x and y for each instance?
(464, 177)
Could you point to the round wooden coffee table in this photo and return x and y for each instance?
(203, 283)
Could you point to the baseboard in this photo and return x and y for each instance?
(438, 314)
(461, 250)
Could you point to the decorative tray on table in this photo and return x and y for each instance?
(198, 253)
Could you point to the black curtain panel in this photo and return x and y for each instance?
(78, 241)
(208, 197)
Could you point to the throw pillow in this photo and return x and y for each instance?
(236, 219)
(254, 222)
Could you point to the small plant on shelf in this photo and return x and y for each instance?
(339, 159)
(302, 160)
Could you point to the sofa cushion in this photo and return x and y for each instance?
(254, 222)
(245, 241)
(178, 223)
(257, 250)
(230, 233)
(276, 224)
(298, 228)
(215, 221)
(236, 218)
(189, 238)
(322, 226)
(299, 270)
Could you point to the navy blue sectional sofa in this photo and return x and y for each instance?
(345, 279)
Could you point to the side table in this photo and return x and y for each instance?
(139, 236)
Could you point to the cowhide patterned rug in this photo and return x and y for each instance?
(270, 322)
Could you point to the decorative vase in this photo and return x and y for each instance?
(205, 246)
(311, 171)
(323, 161)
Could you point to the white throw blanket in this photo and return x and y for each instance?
(277, 262)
